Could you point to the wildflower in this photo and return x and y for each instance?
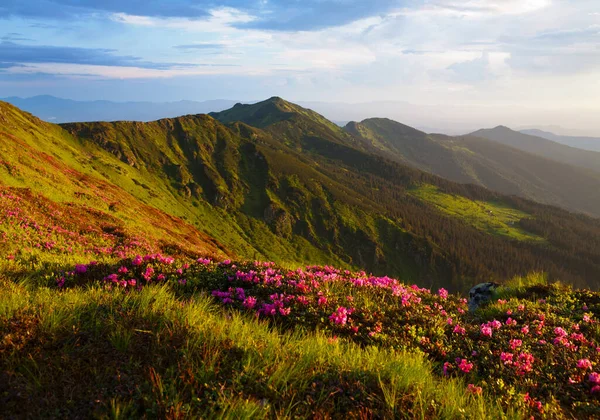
(594, 377)
(525, 329)
(443, 293)
(506, 358)
(447, 368)
(459, 330)
(123, 270)
(449, 321)
(249, 302)
(322, 301)
(137, 260)
(340, 316)
(560, 332)
(465, 366)
(475, 390)
(486, 331)
(584, 364)
(80, 268)
(511, 321)
(514, 344)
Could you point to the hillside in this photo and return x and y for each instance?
(126, 258)
(305, 196)
(542, 147)
(479, 161)
(580, 142)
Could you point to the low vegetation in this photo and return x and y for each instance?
(177, 337)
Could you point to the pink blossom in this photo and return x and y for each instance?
(486, 331)
(584, 364)
(465, 366)
(459, 330)
(476, 390)
(443, 293)
(340, 316)
(80, 268)
(594, 377)
(515, 344)
(525, 329)
(506, 358)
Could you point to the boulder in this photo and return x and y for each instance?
(480, 294)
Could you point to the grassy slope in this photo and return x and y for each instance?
(151, 355)
(494, 218)
(486, 163)
(319, 200)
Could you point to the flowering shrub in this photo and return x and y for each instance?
(541, 356)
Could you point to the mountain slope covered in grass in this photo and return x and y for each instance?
(484, 162)
(298, 190)
(127, 256)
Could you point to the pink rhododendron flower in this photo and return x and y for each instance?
(443, 293)
(476, 390)
(80, 268)
(584, 364)
(515, 344)
(249, 302)
(487, 331)
(506, 358)
(340, 316)
(465, 366)
(459, 330)
(525, 329)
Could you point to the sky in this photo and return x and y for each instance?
(520, 62)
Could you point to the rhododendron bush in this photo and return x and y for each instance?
(539, 351)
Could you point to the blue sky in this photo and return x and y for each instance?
(495, 53)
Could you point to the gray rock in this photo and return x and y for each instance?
(480, 294)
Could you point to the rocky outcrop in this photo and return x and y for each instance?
(481, 294)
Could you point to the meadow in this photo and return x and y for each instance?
(178, 338)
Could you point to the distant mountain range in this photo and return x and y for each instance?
(542, 147)
(58, 110)
(581, 142)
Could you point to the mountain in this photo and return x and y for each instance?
(476, 160)
(294, 188)
(58, 110)
(580, 142)
(542, 147)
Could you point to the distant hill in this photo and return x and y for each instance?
(57, 110)
(476, 160)
(542, 147)
(580, 142)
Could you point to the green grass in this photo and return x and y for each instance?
(152, 354)
(494, 218)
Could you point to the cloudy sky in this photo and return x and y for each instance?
(507, 56)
